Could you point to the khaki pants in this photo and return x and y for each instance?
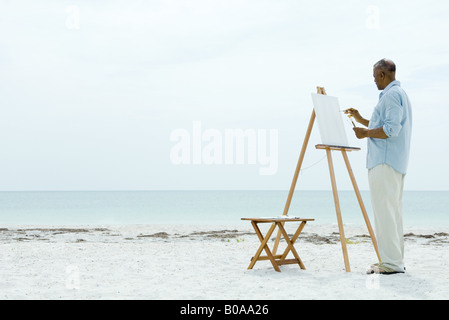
(386, 186)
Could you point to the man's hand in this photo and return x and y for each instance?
(360, 132)
(355, 113)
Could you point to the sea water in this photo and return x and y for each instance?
(421, 208)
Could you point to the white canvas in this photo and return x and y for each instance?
(330, 121)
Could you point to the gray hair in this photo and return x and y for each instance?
(386, 65)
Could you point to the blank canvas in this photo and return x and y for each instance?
(330, 122)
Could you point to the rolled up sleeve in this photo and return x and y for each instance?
(393, 115)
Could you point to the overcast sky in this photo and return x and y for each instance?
(94, 94)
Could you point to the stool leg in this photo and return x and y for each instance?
(290, 246)
(263, 245)
(293, 239)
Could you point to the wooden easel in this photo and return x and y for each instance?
(329, 150)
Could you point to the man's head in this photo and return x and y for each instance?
(384, 72)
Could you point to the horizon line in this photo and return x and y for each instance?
(206, 190)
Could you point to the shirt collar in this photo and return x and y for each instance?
(392, 84)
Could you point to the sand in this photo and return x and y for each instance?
(208, 262)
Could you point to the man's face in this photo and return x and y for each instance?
(379, 78)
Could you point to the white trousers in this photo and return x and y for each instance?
(386, 186)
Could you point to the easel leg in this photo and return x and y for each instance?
(320, 90)
(337, 208)
(362, 206)
(295, 177)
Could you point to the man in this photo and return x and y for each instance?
(388, 132)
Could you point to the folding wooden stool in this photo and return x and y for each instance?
(277, 260)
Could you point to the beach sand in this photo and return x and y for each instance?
(208, 262)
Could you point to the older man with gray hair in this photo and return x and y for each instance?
(388, 132)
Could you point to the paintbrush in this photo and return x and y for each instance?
(351, 121)
(350, 117)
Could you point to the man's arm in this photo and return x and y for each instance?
(377, 133)
(361, 133)
(392, 122)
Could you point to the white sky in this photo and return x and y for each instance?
(90, 104)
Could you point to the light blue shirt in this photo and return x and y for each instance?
(394, 114)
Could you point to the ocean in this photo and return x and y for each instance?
(421, 208)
